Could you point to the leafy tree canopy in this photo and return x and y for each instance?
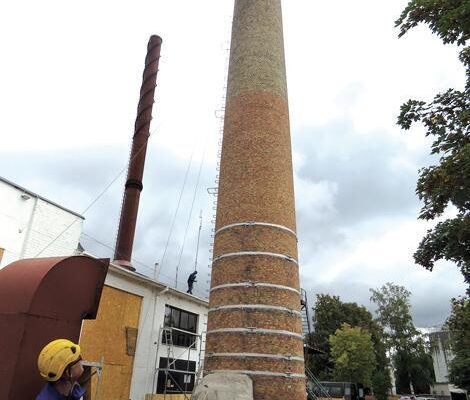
(458, 324)
(381, 384)
(353, 355)
(411, 358)
(447, 119)
(449, 19)
(394, 314)
(329, 315)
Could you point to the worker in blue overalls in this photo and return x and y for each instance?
(191, 280)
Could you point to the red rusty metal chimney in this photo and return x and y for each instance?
(133, 187)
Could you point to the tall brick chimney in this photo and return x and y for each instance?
(254, 322)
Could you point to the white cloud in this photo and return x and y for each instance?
(70, 81)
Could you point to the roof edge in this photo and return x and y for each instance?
(8, 182)
(151, 282)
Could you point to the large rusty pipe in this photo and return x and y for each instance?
(134, 186)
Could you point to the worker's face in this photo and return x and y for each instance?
(76, 369)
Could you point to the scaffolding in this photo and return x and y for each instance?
(165, 338)
(98, 371)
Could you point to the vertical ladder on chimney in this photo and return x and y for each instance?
(306, 313)
(219, 114)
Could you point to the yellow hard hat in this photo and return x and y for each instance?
(55, 357)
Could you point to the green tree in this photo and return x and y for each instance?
(447, 119)
(413, 364)
(381, 383)
(394, 314)
(329, 314)
(421, 368)
(352, 353)
(458, 324)
(410, 356)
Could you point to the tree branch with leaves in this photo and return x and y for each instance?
(447, 120)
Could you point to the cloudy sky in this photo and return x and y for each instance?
(71, 74)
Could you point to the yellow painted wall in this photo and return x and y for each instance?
(105, 337)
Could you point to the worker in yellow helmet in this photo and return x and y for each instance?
(59, 363)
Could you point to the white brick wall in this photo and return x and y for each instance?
(14, 219)
(51, 222)
(29, 223)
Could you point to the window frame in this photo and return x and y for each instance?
(180, 337)
(180, 378)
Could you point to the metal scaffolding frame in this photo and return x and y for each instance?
(196, 345)
(98, 371)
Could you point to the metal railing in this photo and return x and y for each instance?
(315, 389)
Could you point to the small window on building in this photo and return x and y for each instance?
(184, 327)
(176, 376)
(167, 316)
(175, 318)
(184, 321)
(192, 322)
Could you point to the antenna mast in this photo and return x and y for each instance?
(198, 237)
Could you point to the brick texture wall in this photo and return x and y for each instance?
(254, 324)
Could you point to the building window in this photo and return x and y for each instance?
(176, 376)
(184, 327)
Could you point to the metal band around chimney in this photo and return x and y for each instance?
(255, 307)
(256, 253)
(265, 373)
(257, 355)
(260, 224)
(256, 284)
(256, 330)
(134, 183)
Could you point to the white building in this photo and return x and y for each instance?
(147, 340)
(441, 356)
(148, 337)
(32, 226)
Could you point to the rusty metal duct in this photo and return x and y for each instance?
(133, 187)
(254, 321)
(42, 299)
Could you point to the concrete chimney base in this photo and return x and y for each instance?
(224, 386)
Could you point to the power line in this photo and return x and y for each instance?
(178, 205)
(191, 209)
(99, 195)
(142, 264)
(113, 248)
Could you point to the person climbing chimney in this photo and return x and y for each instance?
(191, 280)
